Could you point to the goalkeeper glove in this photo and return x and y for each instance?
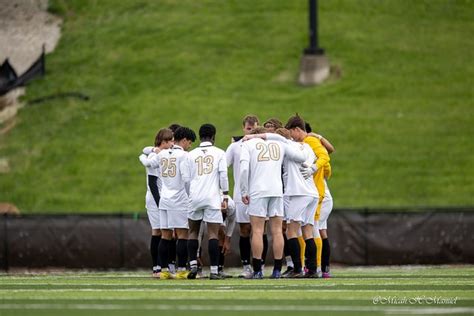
(308, 171)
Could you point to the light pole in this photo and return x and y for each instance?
(314, 67)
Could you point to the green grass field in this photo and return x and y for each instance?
(400, 115)
(356, 291)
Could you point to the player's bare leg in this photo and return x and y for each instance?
(258, 225)
(278, 243)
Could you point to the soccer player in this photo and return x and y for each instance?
(326, 208)
(261, 189)
(303, 199)
(318, 172)
(175, 172)
(163, 140)
(233, 159)
(209, 177)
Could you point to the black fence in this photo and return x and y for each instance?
(358, 237)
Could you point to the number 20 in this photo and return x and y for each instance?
(268, 152)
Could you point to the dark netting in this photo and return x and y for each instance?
(358, 237)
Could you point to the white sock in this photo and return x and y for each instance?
(289, 262)
(193, 263)
(214, 269)
(247, 267)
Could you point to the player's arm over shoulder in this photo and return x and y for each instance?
(319, 150)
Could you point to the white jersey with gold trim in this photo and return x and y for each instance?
(175, 174)
(208, 176)
(260, 169)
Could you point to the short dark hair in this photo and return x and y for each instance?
(207, 131)
(294, 122)
(163, 135)
(307, 127)
(250, 119)
(173, 127)
(184, 133)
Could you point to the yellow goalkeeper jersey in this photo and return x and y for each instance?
(323, 168)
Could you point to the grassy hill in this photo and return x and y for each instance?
(400, 115)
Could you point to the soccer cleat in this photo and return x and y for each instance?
(165, 275)
(193, 273)
(246, 273)
(216, 276)
(225, 275)
(276, 274)
(257, 275)
(326, 275)
(199, 273)
(181, 275)
(288, 270)
(310, 275)
(294, 275)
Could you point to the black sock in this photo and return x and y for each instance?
(182, 252)
(310, 254)
(172, 251)
(257, 264)
(265, 248)
(213, 252)
(221, 259)
(286, 250)
(244, 245)
(277, 264)
(154, 244)
(163, 250)
(294, 248)
(326, 252)
(193, 246)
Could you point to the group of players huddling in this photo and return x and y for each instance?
(280, 184)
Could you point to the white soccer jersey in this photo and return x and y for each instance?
(175, 175)
(295, 183)
(208, 176)
(260, 169)
(233, 159)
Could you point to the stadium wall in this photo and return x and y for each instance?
(121, 241)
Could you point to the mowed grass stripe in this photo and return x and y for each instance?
(209, 307)
(275, 287)
(102, 294)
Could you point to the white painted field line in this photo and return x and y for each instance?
(196, 307)
(138, 289)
